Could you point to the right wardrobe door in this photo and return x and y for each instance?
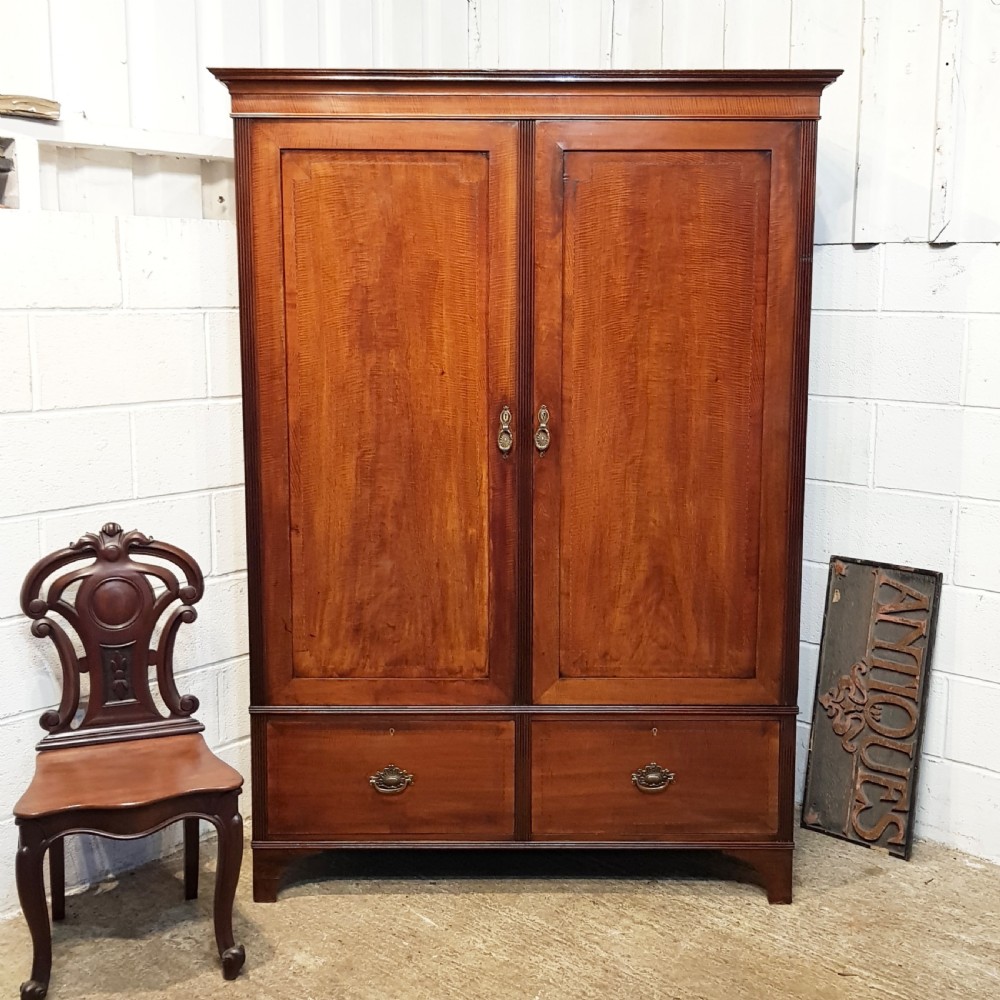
(665, 298)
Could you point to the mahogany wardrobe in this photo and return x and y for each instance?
(524, 360)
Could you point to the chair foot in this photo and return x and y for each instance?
(29, 867)
(232, 961)
(230, 826)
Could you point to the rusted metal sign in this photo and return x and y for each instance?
(878, 634)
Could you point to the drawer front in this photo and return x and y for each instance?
(319, 779)
(724, 783)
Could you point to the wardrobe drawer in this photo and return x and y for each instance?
(724, 782)
(332, 779)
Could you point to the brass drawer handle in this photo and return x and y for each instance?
(543, 437)
(505, 437)
(652, 778)
(391, 780)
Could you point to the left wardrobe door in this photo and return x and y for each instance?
(382, 349)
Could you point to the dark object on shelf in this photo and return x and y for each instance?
(22, 106)
(125, 770)
(878, 635)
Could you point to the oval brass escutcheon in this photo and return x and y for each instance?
(391, 780)
(505, 436)
(652, 778)
(543, 437)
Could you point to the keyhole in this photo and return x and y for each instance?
(392, 732)
(654, 730)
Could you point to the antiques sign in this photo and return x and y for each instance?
(878, 633)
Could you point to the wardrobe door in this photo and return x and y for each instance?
(384, 312)
(664, 346)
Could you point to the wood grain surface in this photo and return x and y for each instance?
(725, 782)
(397, 340)
(91, 777)
(628, 250)
(318, 778)
(659, 248)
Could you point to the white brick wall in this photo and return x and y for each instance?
(119, 370)
(903, 465)
(119, 382)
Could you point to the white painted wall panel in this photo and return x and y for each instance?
(637, 34)
(222, 337)
(218, 189)
(966, 642)
(446, 33)
(484, 34)
(877, 524)
(906, 357)
(962, 278)
(525, 34)
(827, 36)
(757, 34)
(838, 448)
(229, 546)
(228, 35)
(94, 180)
(168, 349)
(580, 33)
(982, 369)
(346, 33)
(958, 452)
(101, 471)
(177, 263)
(163, 65)
(62, 259)
(47, 187)
(694, 34)
(167, 186)
(15, 371)
(19, 542)
(290, 34)
(25, 59)
(165, 462)
(398, 32)
(896, 137)
(90, 59)
(946, 122)
(966, 203)
(977, 546)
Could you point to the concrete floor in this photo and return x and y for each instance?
(541, 927)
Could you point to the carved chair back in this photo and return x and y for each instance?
(114, 613)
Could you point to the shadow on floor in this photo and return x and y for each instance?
(144, 906)
(456, 871)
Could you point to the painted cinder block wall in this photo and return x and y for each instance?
(119, 369)
(119, 386)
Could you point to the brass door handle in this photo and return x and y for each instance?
(543, 437)
(391, 780)
(652, 778)
(505, 436)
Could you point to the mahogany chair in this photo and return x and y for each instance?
(122, 769)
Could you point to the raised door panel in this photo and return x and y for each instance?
(663, 352)
(385, 316)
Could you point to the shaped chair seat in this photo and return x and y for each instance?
(125, 769)
(169, 767)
